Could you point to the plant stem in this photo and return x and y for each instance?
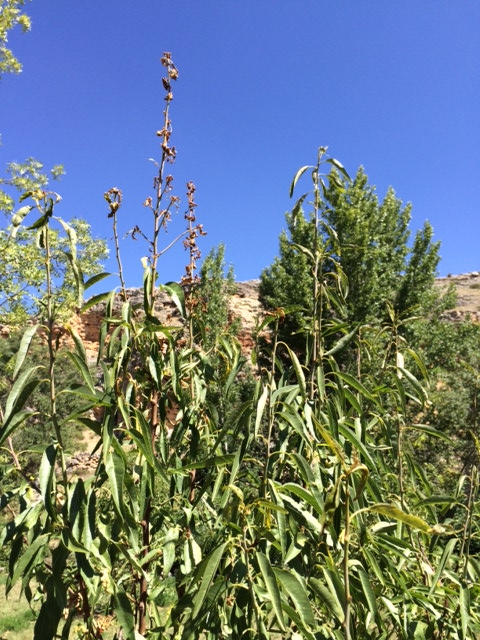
(346, 576)
(52, 342)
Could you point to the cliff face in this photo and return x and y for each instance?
(467, 286)
(244, 305)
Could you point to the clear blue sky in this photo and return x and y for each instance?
(393, 86)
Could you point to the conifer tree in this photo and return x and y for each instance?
(368, 240)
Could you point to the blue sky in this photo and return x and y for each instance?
(393, 86)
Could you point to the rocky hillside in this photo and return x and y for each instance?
(467, 286)
(245, 304)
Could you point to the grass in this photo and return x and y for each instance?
(16, 618)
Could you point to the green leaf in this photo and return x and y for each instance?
(307, 519)
(115, 468)
(349, 434)
(101, 297)
(338, 165)
(415, 384)
(297, 177)
(94, 279)
(169, 547)
(19, 392)
(124, 613)
(272, 587)
(82, 367)
(356, 384)
(465, 611)
(78, 343)
(368, 591)
(303, 494)
(297, 209)
(390, 511)
(48, 619)
(23, 348)
(446, 555)
(208, 463)
(260, 410)
(40, 223)
(177, 294)
(298, 372)
(206, 571)
(342, 343)
(27, 561)
(297, 591)
(431, 431)
(329, 597)
(46, 475)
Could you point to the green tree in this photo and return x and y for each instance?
(367, 240)
(28, 441)
(450, 352)
(22, 256)
(11, 15)
(373, 237)
(22, 260)
(212, 297)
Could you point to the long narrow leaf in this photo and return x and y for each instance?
(329, 597)
(298, 593)
(19, 392)
(23, 348)
(272, 587)
(447, 552)
(298, 372)
(390, 511)
(123, 611)
(207, 570)
(297, 177)
(46, 475)
(94, 279)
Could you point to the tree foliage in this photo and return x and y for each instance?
(23, 253)
(367, 240)
(11, 15)
(212, 297)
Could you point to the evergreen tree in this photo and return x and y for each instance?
(364, 239)
(212, 295)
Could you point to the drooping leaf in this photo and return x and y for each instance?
(329, 597)
(176, 292)
(271, 587)
(390, 511)
(19, 393)
(23, 348)
(297, 591)
(46, 476)
(96, 278)
(124, 613)
(297, 177)
(338, 165)
(205, 572)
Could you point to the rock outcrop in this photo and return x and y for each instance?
(244, 305)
